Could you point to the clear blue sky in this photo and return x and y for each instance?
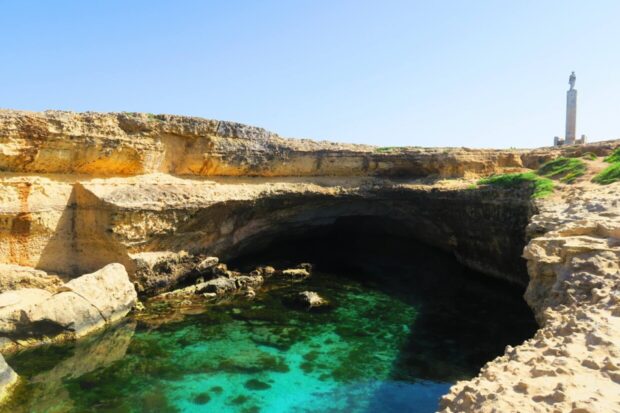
(390, 73)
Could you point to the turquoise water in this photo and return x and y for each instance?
(377, 349)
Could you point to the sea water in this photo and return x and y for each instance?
(375, 349)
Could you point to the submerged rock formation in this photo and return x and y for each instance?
(158, 194)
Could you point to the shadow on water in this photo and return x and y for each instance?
(464, 318)
(407, 322)
(53, 366)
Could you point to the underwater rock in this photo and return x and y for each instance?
(255, 384)
(47, 392)
(296, 273)
(308, 299)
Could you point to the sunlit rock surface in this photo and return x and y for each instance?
(81, 191)
(33, 316)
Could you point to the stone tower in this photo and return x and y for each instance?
(570, 138)
(571, 111)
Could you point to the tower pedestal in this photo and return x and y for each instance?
(571, 116)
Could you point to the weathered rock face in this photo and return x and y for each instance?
(66, 221)
(30, 316)
(572, 364)
(81, 191)
(129, 144)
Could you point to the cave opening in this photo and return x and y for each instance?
(406, 321)
(463, 318)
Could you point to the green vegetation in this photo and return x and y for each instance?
(610, 174)
(614, 157)
(542, 186)
(384, 149)
(565, 169)
(590, 156)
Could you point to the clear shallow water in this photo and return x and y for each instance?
(376, 350)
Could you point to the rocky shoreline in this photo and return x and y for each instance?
(572, 364)
(100, 209)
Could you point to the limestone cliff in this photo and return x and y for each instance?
(79, 191)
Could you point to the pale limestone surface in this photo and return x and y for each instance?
(30, 316)
(572, 364)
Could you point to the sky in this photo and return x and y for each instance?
(389, 73)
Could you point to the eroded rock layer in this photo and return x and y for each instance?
(572, 364)
(156, 193)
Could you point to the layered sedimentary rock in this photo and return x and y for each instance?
(83, 210)
(572, 364)
(155, 193)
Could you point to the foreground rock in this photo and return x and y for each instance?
(33, 316)
(8, 379)
(572, 364)
(15, 277)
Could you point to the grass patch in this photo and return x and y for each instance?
(609, 175)
(542, 186)
(590, 156)
(565, 169)
(384, 149)
(614, 157)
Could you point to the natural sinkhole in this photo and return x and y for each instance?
(405, 322)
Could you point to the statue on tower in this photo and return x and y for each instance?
(571, 80)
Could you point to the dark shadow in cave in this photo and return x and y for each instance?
(465, 318)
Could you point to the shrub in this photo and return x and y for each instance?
(614, 157)
(608, 175)
(566, 169)
(542, 186)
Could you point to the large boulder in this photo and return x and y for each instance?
(31, 316)
(108, 289)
